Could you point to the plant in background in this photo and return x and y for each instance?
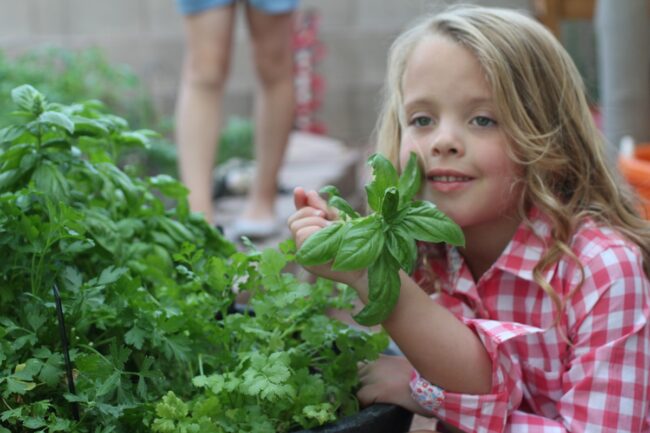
(383, 241)
(234, 167)
(138, 279)
(70, 76)
(236, 140)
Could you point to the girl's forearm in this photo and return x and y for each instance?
(440, 347)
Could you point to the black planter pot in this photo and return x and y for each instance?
(378, 418)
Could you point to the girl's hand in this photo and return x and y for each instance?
(313, 214)
(386, 380)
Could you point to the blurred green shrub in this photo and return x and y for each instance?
(71, 76)
(79, 75)
(236, 140)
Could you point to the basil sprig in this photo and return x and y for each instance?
(383, 241)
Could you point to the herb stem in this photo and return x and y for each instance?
(6, 404)
(92, 349)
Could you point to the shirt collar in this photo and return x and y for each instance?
(527, 246)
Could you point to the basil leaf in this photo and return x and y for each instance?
(402, 247)
(86, 126)
(361, 244)
(345, 207)
(385, 176)
(426, 223)
(28, 98)
(55, 118)
(11, 132)
(410, 181)
(321, 247)
(335, 200)
(51, 181)
(383, 291)
(389, 205)
(330, 190)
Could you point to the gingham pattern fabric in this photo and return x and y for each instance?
(589, 373)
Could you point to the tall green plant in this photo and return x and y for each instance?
(141, 280)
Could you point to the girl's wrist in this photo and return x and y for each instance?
(360, 284)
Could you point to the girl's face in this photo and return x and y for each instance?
(452, 125)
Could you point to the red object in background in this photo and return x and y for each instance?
(310, 86)
(636, 170)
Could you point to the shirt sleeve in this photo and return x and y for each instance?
(606, 387)
(485, 412)
(606, 384)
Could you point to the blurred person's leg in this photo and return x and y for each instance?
(272, 43)
(198, 110)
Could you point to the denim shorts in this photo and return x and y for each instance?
(271, 7)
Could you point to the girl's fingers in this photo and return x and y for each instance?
(311, 198)
(367, 395)
(305, 212)
(299, 197)
(302, 234)
(363, 370)
(313, 221)
(315, 200)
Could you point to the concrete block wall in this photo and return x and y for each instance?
(147, 35)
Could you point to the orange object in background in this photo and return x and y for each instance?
(635, 168)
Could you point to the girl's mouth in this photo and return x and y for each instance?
(448, 180)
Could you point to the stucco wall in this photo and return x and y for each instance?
(147, 35)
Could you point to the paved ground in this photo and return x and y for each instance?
(312, 161)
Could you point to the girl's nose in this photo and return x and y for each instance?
(446, 143)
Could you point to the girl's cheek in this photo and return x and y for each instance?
(407, 146)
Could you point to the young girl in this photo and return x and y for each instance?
(540, 322)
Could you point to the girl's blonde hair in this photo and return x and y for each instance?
(543, 109)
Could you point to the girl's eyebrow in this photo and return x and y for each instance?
(417, 103)
(471, 101)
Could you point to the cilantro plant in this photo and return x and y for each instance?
(383, 241)
(146, 290)
(290, 365)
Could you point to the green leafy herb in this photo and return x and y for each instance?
(141, 280)
(384, 241)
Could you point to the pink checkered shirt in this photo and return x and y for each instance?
(600, 382)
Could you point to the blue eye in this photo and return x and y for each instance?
(483, 121)
(421, 121)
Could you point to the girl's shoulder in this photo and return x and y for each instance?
(591, 239)
(607, 261)
(601, 257)
(610, 273)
